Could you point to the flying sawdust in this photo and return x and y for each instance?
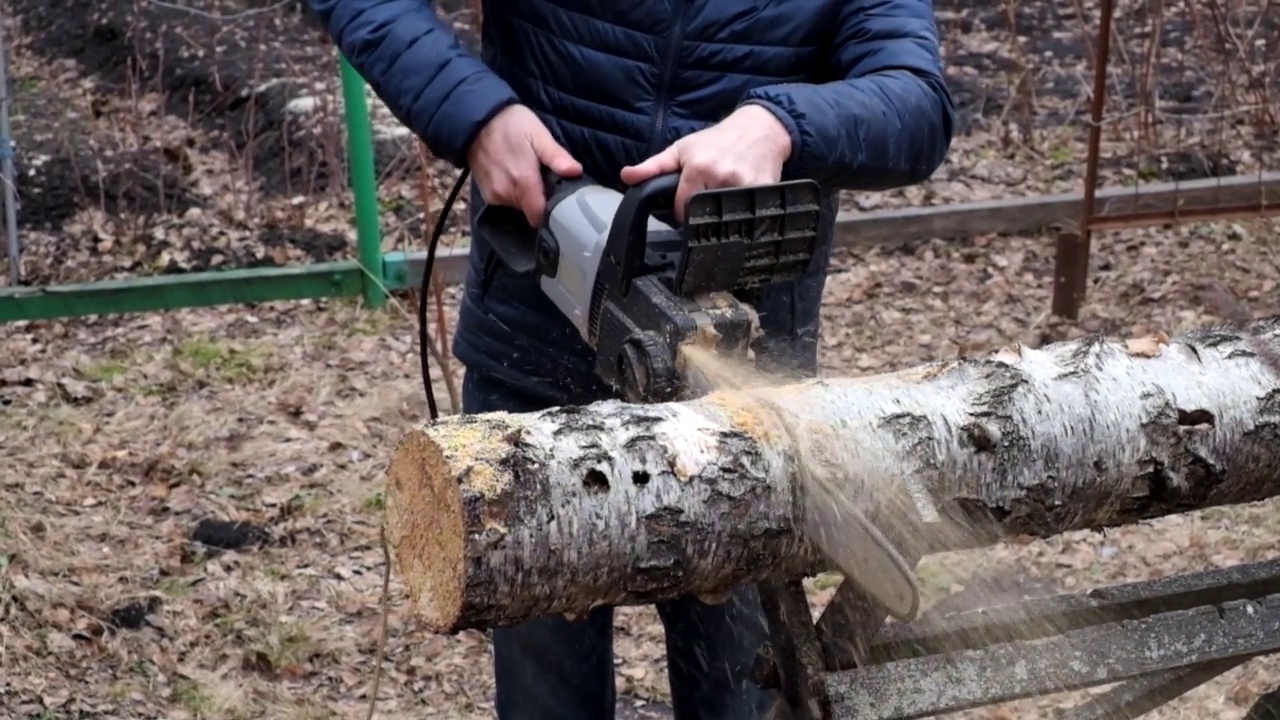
(832, 518)
(840, 494)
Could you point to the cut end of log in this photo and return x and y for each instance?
(429, 545)
(427, 548)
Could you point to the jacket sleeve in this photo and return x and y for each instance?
(888, 120)
(415, 64)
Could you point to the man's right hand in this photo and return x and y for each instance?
(507, 158)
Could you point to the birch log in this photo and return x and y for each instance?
(497, 518)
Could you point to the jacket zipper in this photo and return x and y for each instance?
(670, 60)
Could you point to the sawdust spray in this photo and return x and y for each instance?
(837, 505)
(833, 519)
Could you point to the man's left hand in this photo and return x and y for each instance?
(747, 148)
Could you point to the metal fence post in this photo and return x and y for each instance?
(364, 184)
(7, 174)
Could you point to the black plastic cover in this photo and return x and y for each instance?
(741, 238)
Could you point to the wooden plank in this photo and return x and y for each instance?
(1007, 215)
(1038, 617)
(1043, 212)
(1075, 660)
(1138, 696)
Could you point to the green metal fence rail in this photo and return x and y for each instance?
(370, 275)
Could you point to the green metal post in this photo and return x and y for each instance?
(364, 183)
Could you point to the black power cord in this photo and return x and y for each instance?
(424, 355)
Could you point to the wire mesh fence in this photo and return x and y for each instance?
(1198, 99)
(1177, 125)
(1184, 123)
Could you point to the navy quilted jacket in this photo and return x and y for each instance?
(858, 84)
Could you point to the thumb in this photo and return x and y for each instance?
(667, 161)
(551, 154)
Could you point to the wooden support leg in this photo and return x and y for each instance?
(840, 638)
(847, 627)
(801, 652)
(794, 653)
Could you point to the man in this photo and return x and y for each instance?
(729, 93)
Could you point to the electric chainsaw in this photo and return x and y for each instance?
(636, 288)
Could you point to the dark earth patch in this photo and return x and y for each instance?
(133, 183)
(1053, 59)
(230, 78)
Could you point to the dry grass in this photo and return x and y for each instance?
(117, 436)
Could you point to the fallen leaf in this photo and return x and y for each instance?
(1150, 346)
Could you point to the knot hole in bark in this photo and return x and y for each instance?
(595, 481)
(980, 437)
(640, 477)
(1198, 418)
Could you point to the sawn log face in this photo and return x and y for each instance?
(500, 517)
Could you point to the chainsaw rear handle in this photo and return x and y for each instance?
(508, 231)
(624, 249)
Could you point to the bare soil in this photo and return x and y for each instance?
(154, 140)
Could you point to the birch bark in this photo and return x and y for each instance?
(500, 517)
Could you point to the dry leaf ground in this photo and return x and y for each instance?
(155, 140)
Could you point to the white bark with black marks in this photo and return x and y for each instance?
(500, 517)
